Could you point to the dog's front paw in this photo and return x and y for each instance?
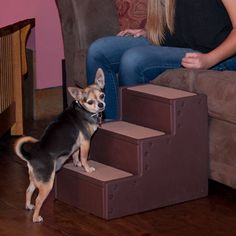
(77, 163)
(29, 207)
(89, 169)
(38, 219)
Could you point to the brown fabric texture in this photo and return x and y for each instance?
(222, 141)
(132, 13)
(220, 88)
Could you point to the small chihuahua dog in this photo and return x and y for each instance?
(68, 135)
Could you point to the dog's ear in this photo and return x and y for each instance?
(75, 92)
(100, 78)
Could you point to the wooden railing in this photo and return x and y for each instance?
(13, 66)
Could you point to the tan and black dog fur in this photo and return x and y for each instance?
(68, 135)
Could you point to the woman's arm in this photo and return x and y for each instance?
(225, 50)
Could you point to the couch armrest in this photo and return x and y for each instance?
(218, 86)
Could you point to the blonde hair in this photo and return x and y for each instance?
(160, 17)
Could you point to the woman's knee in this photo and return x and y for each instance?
(132, 62)
(98, 55)
(97, 48)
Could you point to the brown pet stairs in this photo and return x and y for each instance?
(155, 156)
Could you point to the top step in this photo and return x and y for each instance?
(161, 91)
(155, 106)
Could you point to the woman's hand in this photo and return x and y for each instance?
(132, 32)
(197, 60)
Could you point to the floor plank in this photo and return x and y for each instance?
(214, 215)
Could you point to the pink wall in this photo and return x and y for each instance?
(45, 38)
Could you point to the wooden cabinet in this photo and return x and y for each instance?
(12, 68)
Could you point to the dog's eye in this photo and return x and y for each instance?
(102, 96)
(90, 102)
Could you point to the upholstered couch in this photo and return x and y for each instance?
(220, 88)
(84, 21)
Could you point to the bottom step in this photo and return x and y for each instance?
(88, 191)
(102, 172)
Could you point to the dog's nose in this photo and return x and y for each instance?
(100, 105)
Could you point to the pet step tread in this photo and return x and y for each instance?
(131, 130)
(160, 91)
(102, 172)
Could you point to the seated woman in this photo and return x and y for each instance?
(179, 33)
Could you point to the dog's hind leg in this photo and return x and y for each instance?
(29, 192)
(44, 190)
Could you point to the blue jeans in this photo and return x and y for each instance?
(136, 61)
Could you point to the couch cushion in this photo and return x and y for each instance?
(132, 13)
(219, 86)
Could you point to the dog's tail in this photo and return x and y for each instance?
(20, 151)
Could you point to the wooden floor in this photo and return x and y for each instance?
(213, 215)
